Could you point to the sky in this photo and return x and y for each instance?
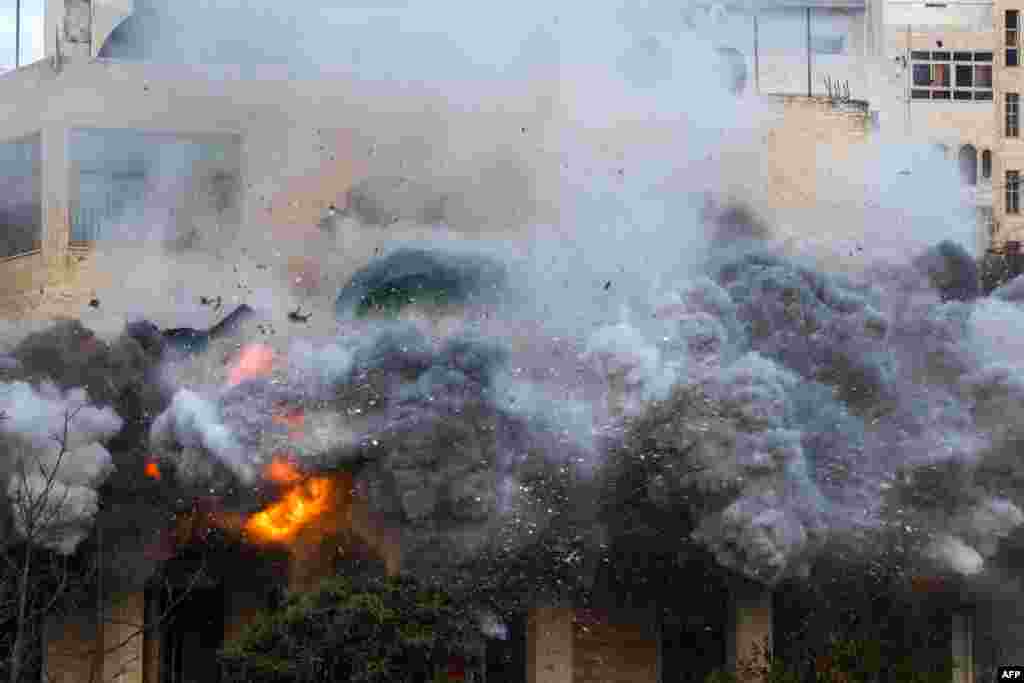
(32, 37)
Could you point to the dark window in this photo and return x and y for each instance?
(932, 79)
(940, 56)
(21, 199)
(120, 173)
(922, 74)
(986, 164)
(1013, 192)
(964, 76)
(921, 55)
(962, 56)
(983, 56)
(1012, 115)
(983, 76)
(1012, 36)
(968, 160)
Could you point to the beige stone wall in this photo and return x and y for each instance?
(614, 648)
(750, 626)
(1010, 154)
(70, 647)
(810, 134)
(123, 639)
(549, 645)
(73, 644)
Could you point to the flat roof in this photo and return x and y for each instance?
(768, 5)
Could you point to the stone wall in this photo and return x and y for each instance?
(619, 648)
(73, 644)
(810, 134)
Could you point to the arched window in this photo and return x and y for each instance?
(968, 158)
(986, 164)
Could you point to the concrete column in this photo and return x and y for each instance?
(750, 625)
(123, 638)
(56, 200)
(963, 647)
(549, 645)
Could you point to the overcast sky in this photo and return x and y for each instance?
(32, 37)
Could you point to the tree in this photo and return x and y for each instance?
(45, 573)
(364, 628)
(42, 509)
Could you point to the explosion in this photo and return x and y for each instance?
(305, 501)
(152, 470)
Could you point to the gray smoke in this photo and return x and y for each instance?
(54, 461)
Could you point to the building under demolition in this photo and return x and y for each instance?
(205, 153)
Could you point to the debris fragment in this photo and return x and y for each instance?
(297, 317)
(94, 303)
(607, 285)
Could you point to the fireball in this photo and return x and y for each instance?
(301, 505)
(282, 471)
(152, 470)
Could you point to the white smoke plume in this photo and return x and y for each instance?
(54, 461)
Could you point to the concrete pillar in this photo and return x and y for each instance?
(56, 200)
(549, 645)
(749, 628)
(123, 638)
(963, 647)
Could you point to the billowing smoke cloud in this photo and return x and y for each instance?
(585, 164)
(54, 461)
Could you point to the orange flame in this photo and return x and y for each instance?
(255, 360)
(282, 471)
(152, 470)
(301, 505)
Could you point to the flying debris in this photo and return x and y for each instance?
(297, 317)
(188, 340)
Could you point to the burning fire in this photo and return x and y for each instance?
(303, 503)
(282, 471)
(152, 470)
(255, 360)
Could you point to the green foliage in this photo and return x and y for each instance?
(366, 629)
